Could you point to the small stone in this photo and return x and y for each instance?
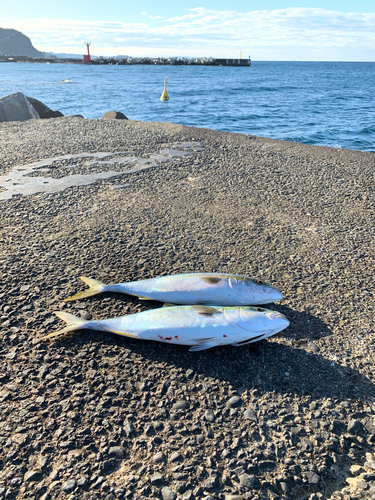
(234, 402)
(82, 481)
(168, 494)
(158, 457)
(69, 485)
(128, 428)
(285, 487)
(250, 415)
(157, 478)
(189, 374)
(312, 477)
(233, 497)
(175, 457)
(357, 483)
(209, 483)
(33, 475)
(355, 427)
(186, 496)
(180, 405)
(337, 427)
(43, 461)
(116, 451)
(248, 481)
(209, 415)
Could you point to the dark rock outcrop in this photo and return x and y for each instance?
(17, 107)
(43, 110)
(114, 115)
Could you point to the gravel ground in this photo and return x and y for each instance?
(100, 416)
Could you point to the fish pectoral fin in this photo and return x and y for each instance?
(124, 334)
(211, 280)
(203, 345)
(167, 304)
(205, 310)
(144, 298)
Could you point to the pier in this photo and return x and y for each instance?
(120, 61)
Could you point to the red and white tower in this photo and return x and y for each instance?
(87, 58)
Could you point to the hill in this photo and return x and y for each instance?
(15, 43)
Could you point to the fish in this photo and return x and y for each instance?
(199, 326)
(190, 289)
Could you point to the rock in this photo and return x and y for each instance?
(168, 494)
(33, 475)
(312, 477)
(114, 115)
(157, 478)
(234, 402)
(158, 457)
(209, 415)
(16, 108)
(209, 483)
(337, 427)
(116, 451)
(175, 457)
(355, 427)
(248, 481)
(180, 405)
(357, 483)
(43, 110)
(69, 485)
(250, 415)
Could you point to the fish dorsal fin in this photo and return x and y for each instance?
(205, 310)
(211, 280)
(169, 305)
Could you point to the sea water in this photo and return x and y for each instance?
(323, 103)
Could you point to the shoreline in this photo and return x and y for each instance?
(97, 415)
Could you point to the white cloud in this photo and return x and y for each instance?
(151, 17)
(284, 34)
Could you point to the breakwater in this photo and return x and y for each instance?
(120, 61)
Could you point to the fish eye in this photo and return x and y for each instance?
(258, 282)
(259, 309)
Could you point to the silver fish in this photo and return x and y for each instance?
(199, 288)
(198, 326)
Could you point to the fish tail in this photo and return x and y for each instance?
(73, 323)
(95, 287)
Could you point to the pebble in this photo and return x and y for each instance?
(234, 402)
(116, 451)
(157, 478)
(250, 415)
(69, 485)
(168, 494)
(355, 427)
(33, 475)
(249, 481)
(180, 405)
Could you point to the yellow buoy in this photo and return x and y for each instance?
(165, 96)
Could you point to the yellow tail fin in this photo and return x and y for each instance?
(96, 287)
(73, 323)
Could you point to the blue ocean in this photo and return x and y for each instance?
(323, 103)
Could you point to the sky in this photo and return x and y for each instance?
(288, 30)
